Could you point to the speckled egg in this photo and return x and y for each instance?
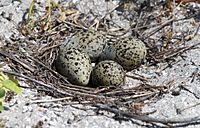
(74, 65)
(128, 52)
(107, 73)
(90, 41)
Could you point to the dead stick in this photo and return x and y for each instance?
(145, 118)
(157, 28)
(18, 61)
(50, 87)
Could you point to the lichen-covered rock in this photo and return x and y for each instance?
(90, 42)
(74, 65)
(129, 52)
(107, 73)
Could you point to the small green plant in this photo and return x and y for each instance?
(7, 83)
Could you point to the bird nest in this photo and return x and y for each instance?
(32, 57)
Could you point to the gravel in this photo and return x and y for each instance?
(21, 112)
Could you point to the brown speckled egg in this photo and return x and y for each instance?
(90, 42)
(128, 52)
(107, 73)
(74, 65)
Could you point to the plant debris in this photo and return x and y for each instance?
(45, 32)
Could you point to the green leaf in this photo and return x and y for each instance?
(12, 86)
(1, 76)
(1, 106)
(12, 79)
(2, 92)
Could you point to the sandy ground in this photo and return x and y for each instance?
(18, 113)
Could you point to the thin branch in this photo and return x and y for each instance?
(5, 54)
(51, 100)
(157, 28)
(145, 117)
(50, 87)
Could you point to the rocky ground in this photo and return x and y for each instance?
(181, 100)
